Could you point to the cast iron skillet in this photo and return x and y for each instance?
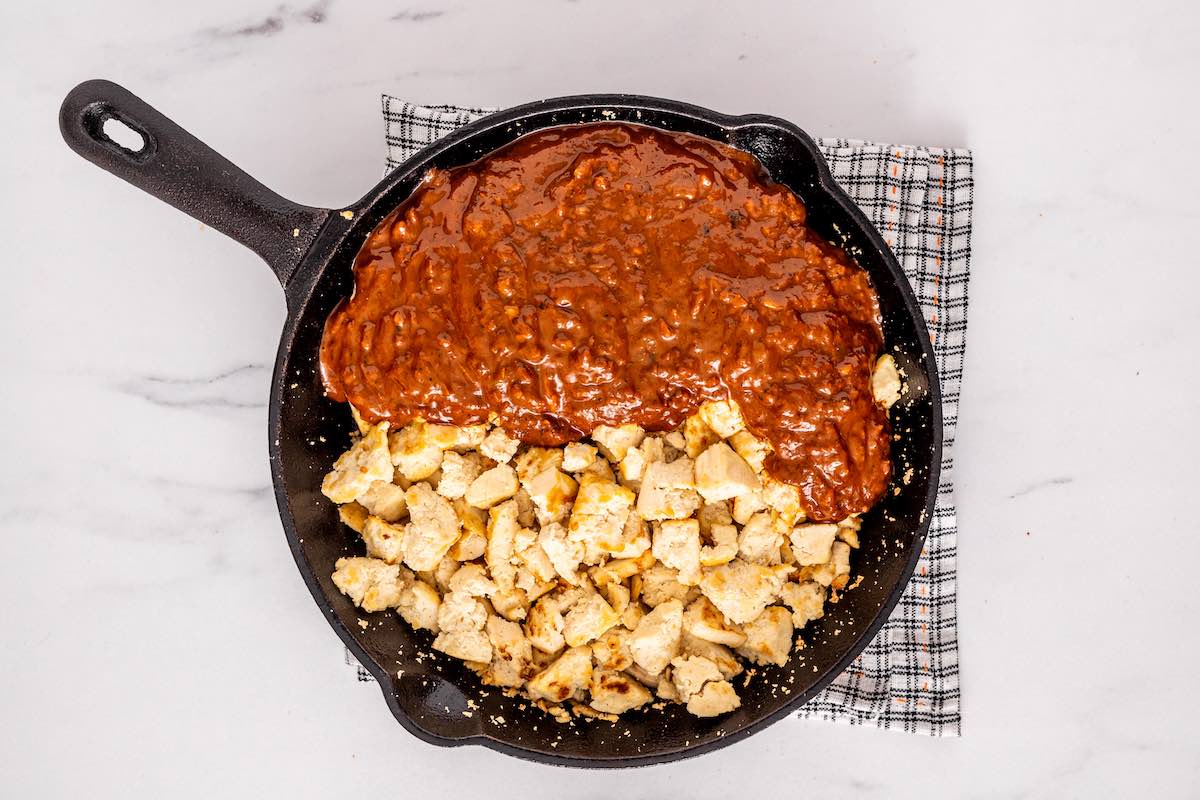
(311, 250)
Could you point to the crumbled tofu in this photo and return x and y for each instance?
(419, 605)
(615, 443)
(783, 499)
(416, 450)
(690, 673)
(768, 637)
(660, 584)
(473, 540)
(588, 619)
(840, 559)
(511, 653)
(716, 698)
(512, 604)
(459, 471)
(702, 620)
(354, 516)
(564, 554)
(537, 459)
(724, 547)
(761, 538)
(499, 446)
(656, 639)
(885, 381)
(616, 693)
(385, 500)
(611, 651)
(746, 506)
(544, 626)
(633, 542)
(601, 509)
(372, 584)
(578, 456)
(697, 436)
(599, 469)
(493, 486)
(362, 425)
(722, 474)
(552, 493)
(469, 437)
(468, 645)
(741, 590)
(471, 580)
(713, 514)
(550, 576)
(432, 530)
(813, 544)
(617, 596)
(566, 677)
(754, 451)
(668, 491)
(806, 600)
(356, 469)
(460, 611)
(723, 417)
(526, 512)
(383, 540)
(677, 545)
(719, 654)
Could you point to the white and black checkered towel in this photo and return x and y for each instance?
(920, 199)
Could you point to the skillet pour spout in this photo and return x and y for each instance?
(312, 250)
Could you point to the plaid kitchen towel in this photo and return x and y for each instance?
(920, 200)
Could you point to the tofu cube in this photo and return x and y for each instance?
(615, 443)
(432, 530)
(769, 637)
(668, 490)
(885, 381)
(493, 486)
(702, 620)
(656, 639)
(813, 544)
(459, 471)
(383, 540)
(372, 584)
(588, 619)
(716, 698)
(690, 673)
(419, 605)
(761, 539)
(416, 450)
(697, 436)
(356, 469)
(754, 451)
(578, 456)
(722, 474)
(806, 600)
(741, 590)
(724, 547)
(499, 446)
(385, 500)
(677, 545)
(567, 677)
(552, 493)
(615, 692)
(723, 417)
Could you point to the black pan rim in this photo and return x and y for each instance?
(333, 237)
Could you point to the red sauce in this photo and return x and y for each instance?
(607, 274)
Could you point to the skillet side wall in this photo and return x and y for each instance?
(308, 432)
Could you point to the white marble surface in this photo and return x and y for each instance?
(157, 638)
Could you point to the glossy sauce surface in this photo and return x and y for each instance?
(607, 274)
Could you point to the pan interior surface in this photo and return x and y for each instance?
(435, 696)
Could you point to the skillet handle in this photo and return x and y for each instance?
(179, 169)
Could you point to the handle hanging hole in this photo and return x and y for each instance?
(123, 136)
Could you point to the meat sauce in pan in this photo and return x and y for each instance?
(610, 274)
